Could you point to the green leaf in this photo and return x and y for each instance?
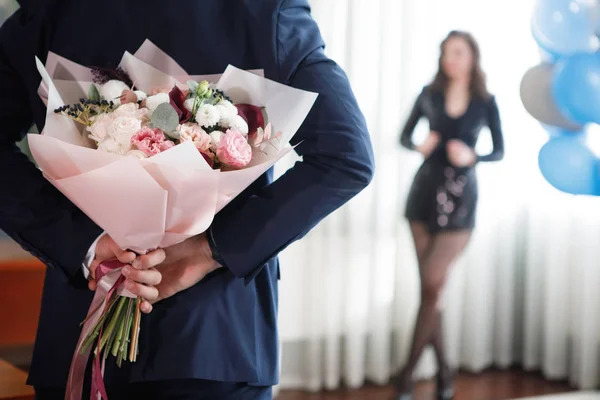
(192, 85)
(173, 135)
(165, 118)
(93, 93)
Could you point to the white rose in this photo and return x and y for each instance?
(216, 137)
(123, 128)
(112, 90)
(236, 123)
(207, 115)
(226, 109)
(100, 127)
(140, 155)
(154, 101)
(110, 145)
(132, 110)
(189, 104)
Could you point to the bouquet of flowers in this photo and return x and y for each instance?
(131, 123)
(151, 154)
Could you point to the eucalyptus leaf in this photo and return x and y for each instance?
(173, 135)
(192, 85)
(165, 118)
(93, 93)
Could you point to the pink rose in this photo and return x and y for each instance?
(192, 132)
(151, 141)
(234, 150)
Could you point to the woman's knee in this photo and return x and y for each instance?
(431, 289)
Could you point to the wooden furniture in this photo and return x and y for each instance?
(21, 283)
(12, 383)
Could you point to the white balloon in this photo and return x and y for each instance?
(537, 98)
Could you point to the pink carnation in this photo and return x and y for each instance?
(151, 141)
(234, 150)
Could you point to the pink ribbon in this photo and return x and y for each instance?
(109, 278)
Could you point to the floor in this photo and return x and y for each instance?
(491, 385)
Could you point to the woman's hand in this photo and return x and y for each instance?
(459, 154)
(430, 143)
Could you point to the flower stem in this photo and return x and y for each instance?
(96, 330)
(113, 322)
(136, 331)
(124, 350)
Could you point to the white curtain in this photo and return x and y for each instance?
(526, 291)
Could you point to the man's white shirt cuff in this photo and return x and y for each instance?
(87, 261)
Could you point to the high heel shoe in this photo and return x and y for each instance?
(445, 385)
(403, 387)
(404, 396)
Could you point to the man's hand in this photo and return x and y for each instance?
(142, 276)
(459, 154)
(186, 264)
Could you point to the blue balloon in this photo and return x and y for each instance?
(576, 87)
(564, 27)
(555, 131)
(570, 166)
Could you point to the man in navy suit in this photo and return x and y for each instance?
(213, 334)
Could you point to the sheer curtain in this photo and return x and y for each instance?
(526, 290)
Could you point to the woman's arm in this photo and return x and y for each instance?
(411, 123)
(493, 120)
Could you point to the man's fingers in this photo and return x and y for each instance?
(146, 307)
(93, 267)
(149, 260)
(125, 256)
(92, 285)
(150, 277)
(149, 293)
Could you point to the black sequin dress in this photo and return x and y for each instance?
(442, 196)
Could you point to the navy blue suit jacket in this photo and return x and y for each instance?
(225, 327)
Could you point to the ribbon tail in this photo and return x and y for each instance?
(108, 280)
(80, 359)
(98, 388)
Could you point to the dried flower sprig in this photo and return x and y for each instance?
(84, 111)
(103, 75)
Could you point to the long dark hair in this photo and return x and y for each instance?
(478, 87)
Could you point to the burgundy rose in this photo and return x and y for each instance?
(253, 116)
(177, 98)
(210, 160)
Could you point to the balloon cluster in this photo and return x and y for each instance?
(563, 91)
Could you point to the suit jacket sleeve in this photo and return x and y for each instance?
(336, 150)
(32, 211)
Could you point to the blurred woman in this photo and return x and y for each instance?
(443, 198)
